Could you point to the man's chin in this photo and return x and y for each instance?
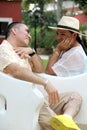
(26, 44)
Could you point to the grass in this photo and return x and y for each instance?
(45, 63)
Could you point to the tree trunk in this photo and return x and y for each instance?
(59, 9)
(42, 31)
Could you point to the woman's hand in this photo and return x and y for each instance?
(66, 44)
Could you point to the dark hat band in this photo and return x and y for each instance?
(73, 29)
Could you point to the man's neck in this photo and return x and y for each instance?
(12, 42)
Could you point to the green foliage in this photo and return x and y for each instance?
(44, 37)
(82, 4)
(25, 17)
(50, 18)
(49, 40)
(32, 32)
(25, 3)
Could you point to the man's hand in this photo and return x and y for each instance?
(23, 52)
(52, 93)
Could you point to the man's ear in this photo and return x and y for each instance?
(14, 30)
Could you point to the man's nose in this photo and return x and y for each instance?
(29, 36)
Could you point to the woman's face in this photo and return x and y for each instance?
(63, 34)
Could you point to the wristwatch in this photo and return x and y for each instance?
(33, 53)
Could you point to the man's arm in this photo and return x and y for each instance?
(34, 59)
(36, 64)
(22, 73)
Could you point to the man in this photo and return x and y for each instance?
(69, 58)
(18, 66)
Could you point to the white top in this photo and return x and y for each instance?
(8, 56)
(72, 62)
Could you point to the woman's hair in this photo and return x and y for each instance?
(77, 38)
(80, 41)
(9, 27)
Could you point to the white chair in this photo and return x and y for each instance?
(21, 101)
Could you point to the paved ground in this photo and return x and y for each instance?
(44, 56)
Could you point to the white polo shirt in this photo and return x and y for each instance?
(8, 56)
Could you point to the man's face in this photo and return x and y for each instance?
(22, 35)
(62, 34)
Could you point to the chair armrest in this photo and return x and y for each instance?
(22, 104)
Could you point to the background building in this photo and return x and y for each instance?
(10, 11)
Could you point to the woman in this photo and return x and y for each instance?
(69, 57)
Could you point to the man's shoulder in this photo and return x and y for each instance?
(6, 48)
(5, 44)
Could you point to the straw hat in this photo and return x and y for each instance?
(68, 23)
